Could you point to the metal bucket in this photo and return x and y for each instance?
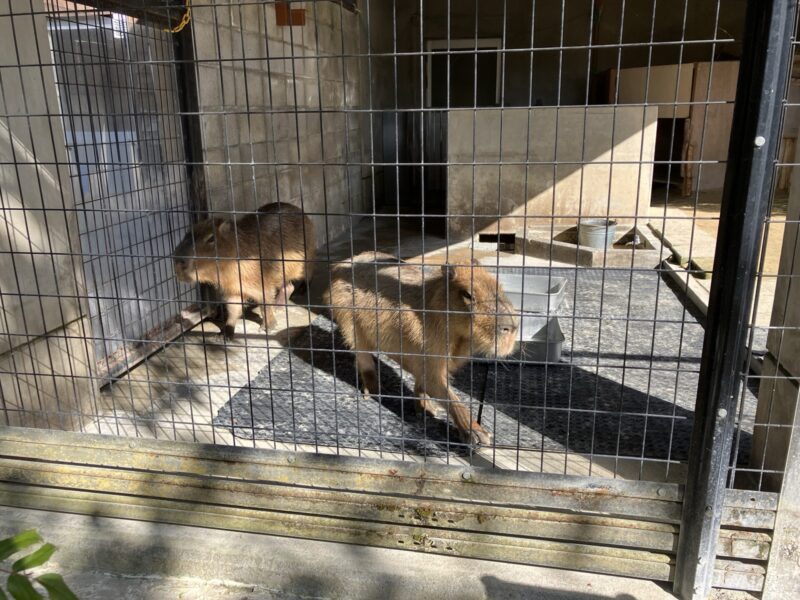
(596, 233)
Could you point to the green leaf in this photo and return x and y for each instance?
(19, 542)
(40, 556)
(55, 586)
(21, 589)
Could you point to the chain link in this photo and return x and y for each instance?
(187, 16)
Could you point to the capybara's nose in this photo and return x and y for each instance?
(506, 324)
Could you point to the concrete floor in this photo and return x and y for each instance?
(691, 224)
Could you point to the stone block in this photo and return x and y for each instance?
(209, 88)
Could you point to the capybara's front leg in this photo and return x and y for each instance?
(365, 363)
(471, 431)
(235, 309)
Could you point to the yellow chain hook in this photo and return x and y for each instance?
(187, 16)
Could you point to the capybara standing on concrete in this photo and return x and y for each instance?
(380, 304)
(254, 259)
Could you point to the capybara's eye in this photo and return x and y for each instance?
(466, 295)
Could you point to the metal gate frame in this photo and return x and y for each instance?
(755, 137)
(640, 529)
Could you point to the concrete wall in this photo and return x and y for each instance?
(604, 168)
(41, 283)
(252, 76)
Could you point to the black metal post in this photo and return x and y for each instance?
(190, 119)
(763, 76)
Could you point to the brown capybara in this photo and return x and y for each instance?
(253, 259)
(380, 304)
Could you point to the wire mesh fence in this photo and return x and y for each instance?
(770, 370)
(465, 232)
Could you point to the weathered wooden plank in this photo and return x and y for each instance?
(633, 563)
(529, 490)
(412, 511)
(748, 518)
(783, 569)
(751, 499)
(735, 575)
(743, 544)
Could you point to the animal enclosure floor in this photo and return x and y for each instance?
(623, 411)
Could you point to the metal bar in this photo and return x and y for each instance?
(190, 117)
(763, 76)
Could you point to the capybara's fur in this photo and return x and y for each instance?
(254, 259)
(380, 304)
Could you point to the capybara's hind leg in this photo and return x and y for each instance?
(365, 361)
(267, 313)
(268, 320)
(368, 376)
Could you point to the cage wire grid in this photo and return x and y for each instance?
(771, 371)
(339, 117)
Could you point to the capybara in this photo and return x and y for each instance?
(380, 304)
(253, 259)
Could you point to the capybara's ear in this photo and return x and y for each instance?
(476, 262)
(448, 272)
(222, 226)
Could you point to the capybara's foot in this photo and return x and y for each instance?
(254, 316)
(423, 404)
(369, 384)
(477, 435)
(224, 336)
(268, 320)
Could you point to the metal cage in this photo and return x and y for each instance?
(512, 280)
